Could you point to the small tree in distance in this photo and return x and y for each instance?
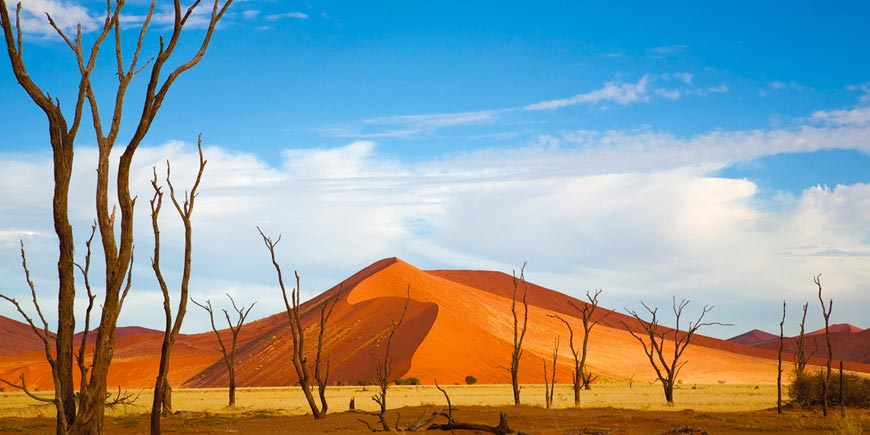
(229, 356)
(667, 367)
(470, 380)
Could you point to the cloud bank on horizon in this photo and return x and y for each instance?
(668, 172)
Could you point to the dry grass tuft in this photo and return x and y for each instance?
(847, 424)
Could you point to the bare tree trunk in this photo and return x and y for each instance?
(779, 363)
(550, 383)
(842, 402)
(502, 429)
(575, 378)
(232, 393)
(826, 313)
(229, 356)
(166, 405)
(519, 333)
(669, 392)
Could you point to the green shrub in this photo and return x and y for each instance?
(806, 390)
(365, 382)
(470, 380)
(409, 381)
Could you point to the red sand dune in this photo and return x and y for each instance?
(753, 337)
(17, 338)
(458, 324)
(838, 328)
(848, 342)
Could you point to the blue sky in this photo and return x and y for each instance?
(713, 152)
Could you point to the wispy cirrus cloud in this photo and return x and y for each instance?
(647, 88)
(440, 120)
(613, 91)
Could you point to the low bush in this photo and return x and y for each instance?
(806, 390)
(409, 381)
(470, 380)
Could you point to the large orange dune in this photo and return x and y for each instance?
(458, 323)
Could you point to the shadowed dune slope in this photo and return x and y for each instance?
(753, 337)
(458, 323)
(17, 338)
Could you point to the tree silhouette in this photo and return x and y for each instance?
(297, 331)
(519, 332)
(667, 367)
(582, 378)
(235, 328)
(83, 412)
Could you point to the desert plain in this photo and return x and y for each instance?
(605, 409)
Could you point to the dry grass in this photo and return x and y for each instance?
(848, 424)
(289, 400)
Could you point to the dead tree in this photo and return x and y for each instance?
(550, 383)
(383, 367)
(779, 363)
(160, 405)
(826, 313)
(586, 312)
(519, 332)
(235, 328)
(801, 358)
(581, 378)
(86, 414)
(297, 331)
(667, 367)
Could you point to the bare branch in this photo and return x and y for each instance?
(80, 358)
(121, 398)
(23, 387)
